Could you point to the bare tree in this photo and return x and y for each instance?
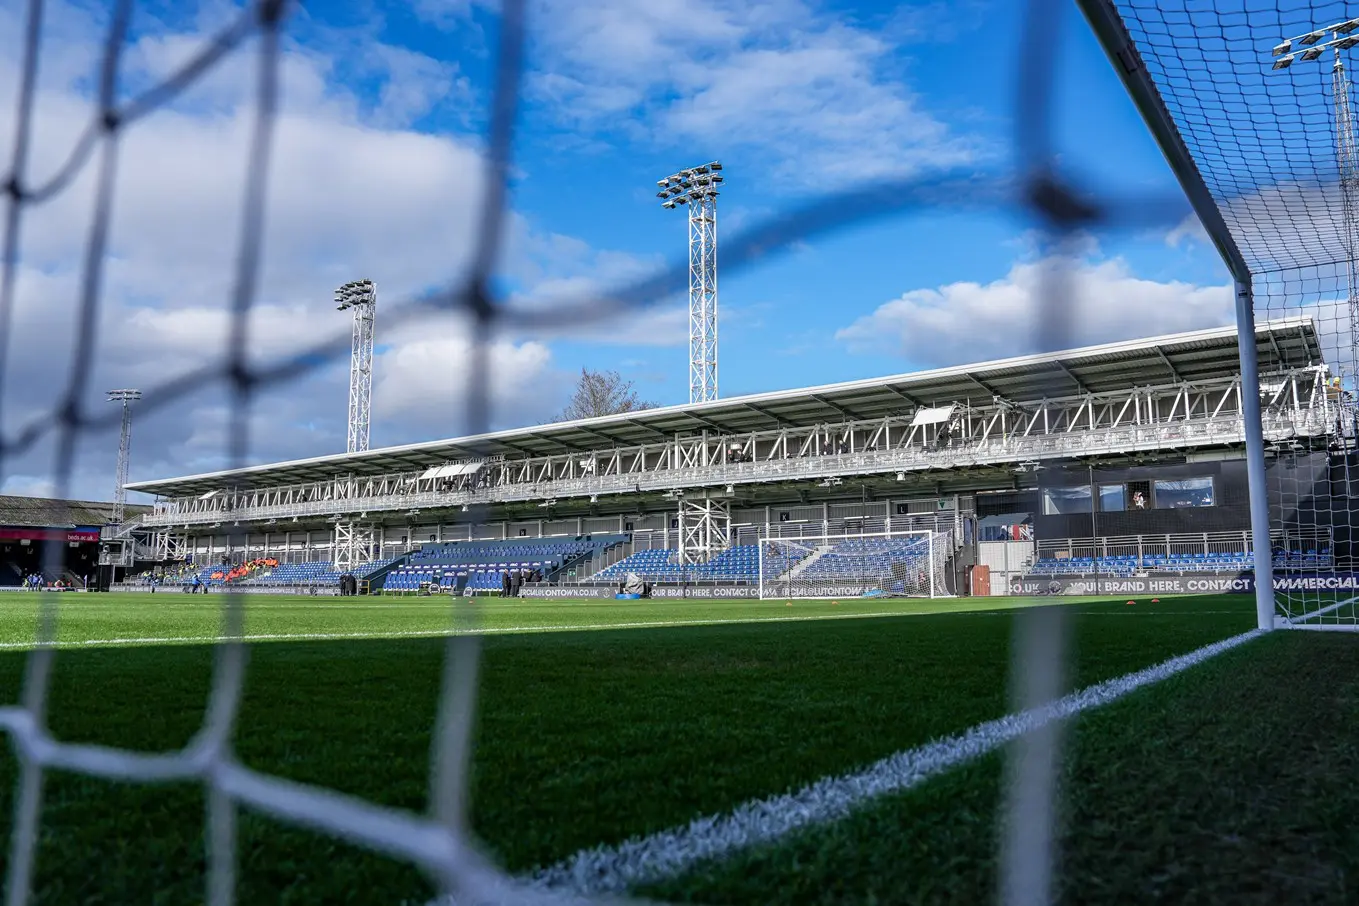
(601, 393)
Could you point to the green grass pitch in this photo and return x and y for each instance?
(1229, 783)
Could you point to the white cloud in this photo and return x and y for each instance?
(351, 192)
(28, 486)
(1186, 231)
(972, 322)
(425, 375)
(798, 85)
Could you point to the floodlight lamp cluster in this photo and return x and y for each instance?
(355, 292)
(1284, 54)
(694, 184)
(124, 396)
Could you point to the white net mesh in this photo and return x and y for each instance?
(1284, 188)
(908, 565)
(1313, 490)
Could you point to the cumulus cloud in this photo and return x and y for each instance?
(354, 190)
(971, 322)
(801, 86)
(1186, 231)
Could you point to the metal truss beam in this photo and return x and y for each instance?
(704, 529)
(1145, 419)
(354, 544)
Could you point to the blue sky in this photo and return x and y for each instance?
(377, 169)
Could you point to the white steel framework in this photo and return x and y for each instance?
(704, 528)
(360, 296)
(354, 544)
(697, 188)
(1296, 405)
(127, 398)
(1346, 155)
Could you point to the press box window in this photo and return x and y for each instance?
(1065, 501)
(1113, 498)
(1185, 492)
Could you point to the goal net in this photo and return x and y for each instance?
(1297, 275)
(904, 565)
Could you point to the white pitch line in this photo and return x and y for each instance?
(564, 627)
(493, 630)
(669, 853)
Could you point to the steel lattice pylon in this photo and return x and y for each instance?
(354, 543)
(698, 188)
(1347, 156)
(704, 529)
(1347, 161)
(361, 297)
(127, 398)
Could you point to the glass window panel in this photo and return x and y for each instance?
(1112, 498)
(1064, 501)
(1184, 492)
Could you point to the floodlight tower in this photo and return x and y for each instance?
(697, 187)
(127, 398)
(361, 297)
(1346, 153)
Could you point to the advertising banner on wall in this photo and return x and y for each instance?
(1183, 584)
(571, 591)
(696, 592)
(27, 533)
(702, 591)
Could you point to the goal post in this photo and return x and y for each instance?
(900, 564)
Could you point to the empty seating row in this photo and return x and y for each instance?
(555, 550)
(1128, 564)
(867, 557)
(740, 563)
(313, 572)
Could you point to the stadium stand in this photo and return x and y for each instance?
(736, 564)
(1129, 564)
(863, 556)
(780, 473)
(319, 572)
(479, 565)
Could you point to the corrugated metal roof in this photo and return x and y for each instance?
(1193, 356)
(43, 512)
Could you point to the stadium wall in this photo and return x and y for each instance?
(1229, 510)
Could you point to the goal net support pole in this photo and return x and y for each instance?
(1253, 425)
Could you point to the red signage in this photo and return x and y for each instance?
(80, 533)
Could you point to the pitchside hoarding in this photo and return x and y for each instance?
(658, 591)
(1186, 584)
(24, 533)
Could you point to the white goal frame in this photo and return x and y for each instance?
(935, 546)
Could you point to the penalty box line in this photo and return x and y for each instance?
(667, 854)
